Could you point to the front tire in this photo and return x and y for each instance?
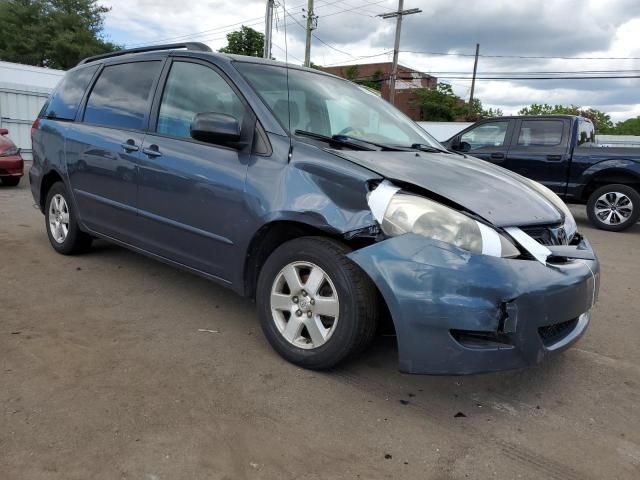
(61, 222)
(317, 308)
(614, 207)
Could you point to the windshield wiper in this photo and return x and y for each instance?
(428, 148)
(348, 141)
(337, 139)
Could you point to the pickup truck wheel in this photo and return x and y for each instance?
(63, 231)
(316, 306)
(614, 207)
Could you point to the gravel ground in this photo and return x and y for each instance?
(106, 374)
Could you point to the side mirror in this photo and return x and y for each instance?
(3, 131)
(464, 146)
(454, 143)
(215, 128)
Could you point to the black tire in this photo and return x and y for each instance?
(11, 181)
(76, 241)
(629, 192)
(358, 302)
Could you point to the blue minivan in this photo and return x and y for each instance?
(318, 199)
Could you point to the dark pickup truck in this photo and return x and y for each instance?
(561, 153)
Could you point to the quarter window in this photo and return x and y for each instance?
(192, 88)
(67, 96)
(490, 134)
(586, 133)
(122, 94)
(540, 133)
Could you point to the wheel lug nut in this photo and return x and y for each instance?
(312, 301)
(309, 314)
(298, 312)
(295, 299)
(304, 293)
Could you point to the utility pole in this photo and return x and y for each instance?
(473, 80)
(396, 48)
(268, 27)
(312, 24)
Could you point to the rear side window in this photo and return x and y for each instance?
(122, 95)
(540, 133)
(67, 96)
(191, 89)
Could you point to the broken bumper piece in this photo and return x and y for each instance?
(461, 313)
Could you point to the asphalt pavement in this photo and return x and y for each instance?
(115, 366)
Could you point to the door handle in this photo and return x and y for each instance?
(130, 146)
(152, 151)
(554, 158)
(497, 156)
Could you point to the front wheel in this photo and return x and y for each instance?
(316, 306)
(614, 207)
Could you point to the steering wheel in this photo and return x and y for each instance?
(352, 132)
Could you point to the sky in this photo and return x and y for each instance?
(601, 36)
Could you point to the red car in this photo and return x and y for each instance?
(11, 163)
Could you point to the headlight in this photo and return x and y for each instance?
(9, 152)
(406, 213)
(569, 226)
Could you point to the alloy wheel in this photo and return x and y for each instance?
(613, 208)
(59, 218)
(304, 305)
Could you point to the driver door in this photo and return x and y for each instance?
(191, 201)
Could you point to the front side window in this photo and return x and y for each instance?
(328, 106)
(191, 89)
(122, 94)
(490, 134)
(67, 96)
(540, 133)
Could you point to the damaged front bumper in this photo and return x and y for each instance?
(460, 313)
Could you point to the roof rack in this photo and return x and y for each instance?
(195, 46)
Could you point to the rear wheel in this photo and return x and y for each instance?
(614, 207)
(61, 222)
(11, 181)
(316, 306)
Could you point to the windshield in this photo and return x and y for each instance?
(330, 106)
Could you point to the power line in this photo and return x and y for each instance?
(519, 56)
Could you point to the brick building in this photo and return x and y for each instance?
(408, 80)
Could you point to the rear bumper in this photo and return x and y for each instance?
(458, 313)
(11, 166)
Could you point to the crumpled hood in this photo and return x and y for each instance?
(498, 195)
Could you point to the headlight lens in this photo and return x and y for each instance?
(9, 152)
(413, 214)
(570, 226)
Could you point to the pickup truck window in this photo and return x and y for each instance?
(540, 133)
(490, 134)
(586, 133)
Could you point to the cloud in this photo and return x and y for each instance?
(570, 28)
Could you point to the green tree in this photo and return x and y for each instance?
(52, 33)
(245, 41)
(440, 104)
(628, 127)
(601, 121)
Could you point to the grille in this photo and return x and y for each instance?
(547, 235)
(551, 334)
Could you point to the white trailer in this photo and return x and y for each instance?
(23, 91)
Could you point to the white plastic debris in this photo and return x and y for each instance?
(380, 197)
